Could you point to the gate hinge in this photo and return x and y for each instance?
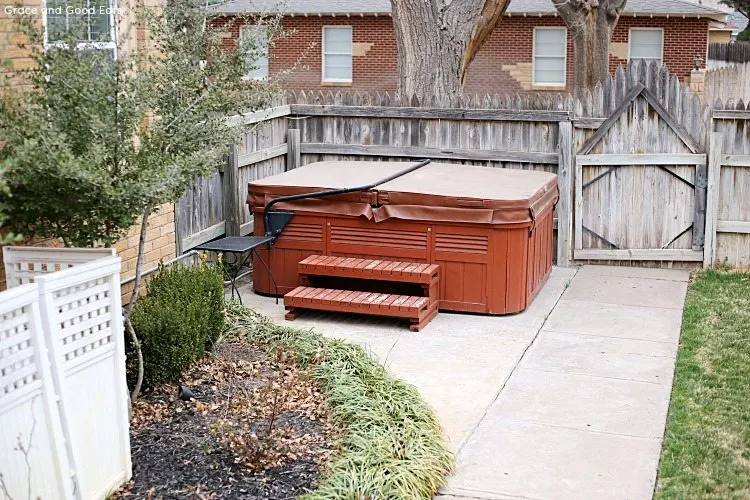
(701, 182)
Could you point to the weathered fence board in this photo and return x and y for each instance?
(430, 113)
(730, 206)
(215, 204)
(731, 82)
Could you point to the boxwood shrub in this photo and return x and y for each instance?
(181, 316)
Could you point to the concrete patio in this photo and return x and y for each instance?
(566, 400)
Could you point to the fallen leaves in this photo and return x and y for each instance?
(259, 410)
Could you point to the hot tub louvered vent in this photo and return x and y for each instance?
(461, 243)
(378, 237)
(303, 232)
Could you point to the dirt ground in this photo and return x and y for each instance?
(256, 428)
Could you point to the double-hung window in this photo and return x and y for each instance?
(92, 21)
(646, 44)
(254, 41)
(337, 54)
(549, 58)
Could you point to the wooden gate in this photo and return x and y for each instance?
(640, 184)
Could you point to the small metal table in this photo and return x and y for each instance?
(240, 246)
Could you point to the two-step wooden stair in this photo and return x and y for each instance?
(375, 300)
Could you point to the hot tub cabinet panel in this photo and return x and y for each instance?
(486, 267)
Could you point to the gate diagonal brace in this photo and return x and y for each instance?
(673, 174)
(678, 235)
(600, 176)
(602, 238)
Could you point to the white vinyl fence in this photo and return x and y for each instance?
(23, 264)
(63, 396)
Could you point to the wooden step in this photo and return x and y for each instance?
(371, 269)
(420, 310)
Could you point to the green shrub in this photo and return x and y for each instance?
(181, 316)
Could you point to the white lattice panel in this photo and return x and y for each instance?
(84, 319)
(33, 460)
(23, 264)
(83, 325)
(18, 371)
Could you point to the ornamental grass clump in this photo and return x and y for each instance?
(181, 317)
(391, 445)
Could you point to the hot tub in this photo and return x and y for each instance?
(489, 229)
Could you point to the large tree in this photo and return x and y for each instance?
(438, 39)
(591, 23)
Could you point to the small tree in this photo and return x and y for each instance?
(99, 141)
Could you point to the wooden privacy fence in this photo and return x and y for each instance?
(730, 82)
(380, 127)
(631, 158)
(200, 212)
(728, 232)
(729, 52)
(640, 175)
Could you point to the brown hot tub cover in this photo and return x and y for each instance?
(435, 192)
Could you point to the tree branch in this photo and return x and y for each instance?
(492, 12)
(134, 298)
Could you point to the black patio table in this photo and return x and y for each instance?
(240, 246)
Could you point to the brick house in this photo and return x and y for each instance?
(350, 44)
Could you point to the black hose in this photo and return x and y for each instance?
(321, 194)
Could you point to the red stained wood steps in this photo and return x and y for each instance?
(418, 309)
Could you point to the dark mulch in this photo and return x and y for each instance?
(256, 429)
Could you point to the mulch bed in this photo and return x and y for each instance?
(257, 428)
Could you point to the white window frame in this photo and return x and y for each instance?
(112, 44)
(630, 42)
(323, 54)
(268, 51)
(564, 83)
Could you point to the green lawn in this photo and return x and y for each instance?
(707, 443)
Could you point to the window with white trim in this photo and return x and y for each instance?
(549, 59)
(337, 54)
(254, 40)
(646, 44)
(93, 22)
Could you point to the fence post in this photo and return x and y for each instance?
(712, 198)
(231, 197)
(293, 156)
(565, 183)
(699, 217)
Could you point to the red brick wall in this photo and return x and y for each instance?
(510, 43)
(297, 57)
(683, 39)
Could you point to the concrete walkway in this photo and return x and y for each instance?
(566, 400)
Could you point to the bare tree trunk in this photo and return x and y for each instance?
(591, 23)
(134, 298)
(438, 39)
